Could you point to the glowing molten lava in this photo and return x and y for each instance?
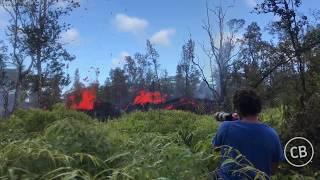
(145, 97)
(83, 99)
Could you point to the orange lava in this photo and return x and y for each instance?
(83, 99)
(145, 97)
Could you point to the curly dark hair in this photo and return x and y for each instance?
(247, 102)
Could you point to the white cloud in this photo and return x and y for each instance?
(120, 60)
(251, 3)
(71, 36)
(162, 37)
(130, 24)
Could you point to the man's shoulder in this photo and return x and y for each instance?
(270, 130)
(265, 127)
(226, 124)
(262, 126)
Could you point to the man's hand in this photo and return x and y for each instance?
(235, 116)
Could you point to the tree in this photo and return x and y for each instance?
(251, 68)
(4, 91)
(291, 29)
(144, 78)
(77, 85)
(6, 84)
(221, 52)
(42, 30)
(187, 76)
(251, 54)
(118, 87)
(180, 83)
(256, 57)
(153, 56)
(53, 82)
(167, 85)
(17, 57)
(313, 55)
(131, 70)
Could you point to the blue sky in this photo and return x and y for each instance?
(103, 31)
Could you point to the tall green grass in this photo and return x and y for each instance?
(64, 144)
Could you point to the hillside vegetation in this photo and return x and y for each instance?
(63, 144)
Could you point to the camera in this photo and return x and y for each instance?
(223, 116)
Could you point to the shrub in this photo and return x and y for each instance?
(154, 156)
(74, 136)
(62, 112)
(33, 157)
(306, 124)
(274, 117)
(34, 120)
(65, 144)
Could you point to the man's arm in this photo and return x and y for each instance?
(218, 139)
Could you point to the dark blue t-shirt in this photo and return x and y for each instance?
(258, 142)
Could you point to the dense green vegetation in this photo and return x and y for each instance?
(63, 144)
(279, 60)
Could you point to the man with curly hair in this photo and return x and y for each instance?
(257, 142)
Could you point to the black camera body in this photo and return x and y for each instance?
(223, 116)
